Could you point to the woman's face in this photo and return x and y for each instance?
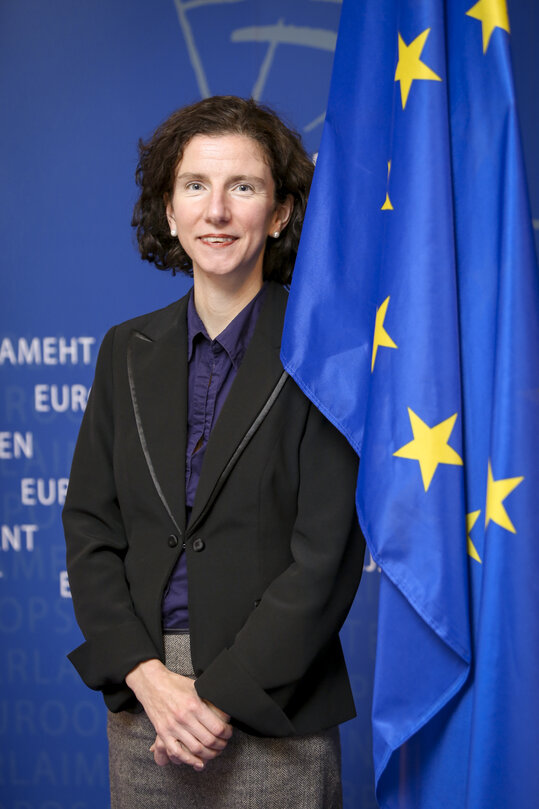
(223, 206)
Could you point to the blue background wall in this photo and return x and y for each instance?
(79, 83)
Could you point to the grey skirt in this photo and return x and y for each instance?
(302, 772)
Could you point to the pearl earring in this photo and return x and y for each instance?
(276, 234)
(173, 232)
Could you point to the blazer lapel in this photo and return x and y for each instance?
(157, 367)
(257, 378)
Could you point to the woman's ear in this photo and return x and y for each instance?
(169, 210)
(283, 212)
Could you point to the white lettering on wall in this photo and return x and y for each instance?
(47, 351)
(65, 590)
(60, 398)
(18, 537)
(16, 445)
(38, 491)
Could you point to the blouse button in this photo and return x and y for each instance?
(198, 545)
(172, 541)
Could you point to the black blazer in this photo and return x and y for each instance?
(274, 551)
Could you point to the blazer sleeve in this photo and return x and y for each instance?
(302, 610)
(115, 639)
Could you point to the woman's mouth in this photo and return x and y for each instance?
(218, 239)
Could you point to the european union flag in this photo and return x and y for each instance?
(413, 325)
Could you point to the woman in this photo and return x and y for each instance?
(213, 549)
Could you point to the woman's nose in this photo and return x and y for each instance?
(217, 209)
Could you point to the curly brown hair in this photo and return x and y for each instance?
(290, 165)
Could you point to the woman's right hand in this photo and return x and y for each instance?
(189, 730)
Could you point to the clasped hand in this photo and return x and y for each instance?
(189, 729)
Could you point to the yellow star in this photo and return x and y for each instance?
(430, 446)
(497, 491)
(381, 337)
(410, 66)
(493, 14)
(471, 520)
(387, 206)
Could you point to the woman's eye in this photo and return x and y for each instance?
(194, 186)
(244, 187)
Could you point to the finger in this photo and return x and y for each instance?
(178, 753)
(207, 739)
(161, 758)
(159, 753)
(196, 747)
(174, 752)
(214, 723)
(199, 740)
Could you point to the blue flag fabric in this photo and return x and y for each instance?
(413, 325)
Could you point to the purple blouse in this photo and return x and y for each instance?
(212, 368)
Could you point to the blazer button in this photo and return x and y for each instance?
(198, 545)
(172, 541)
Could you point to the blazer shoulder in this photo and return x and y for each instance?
(152, 324)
